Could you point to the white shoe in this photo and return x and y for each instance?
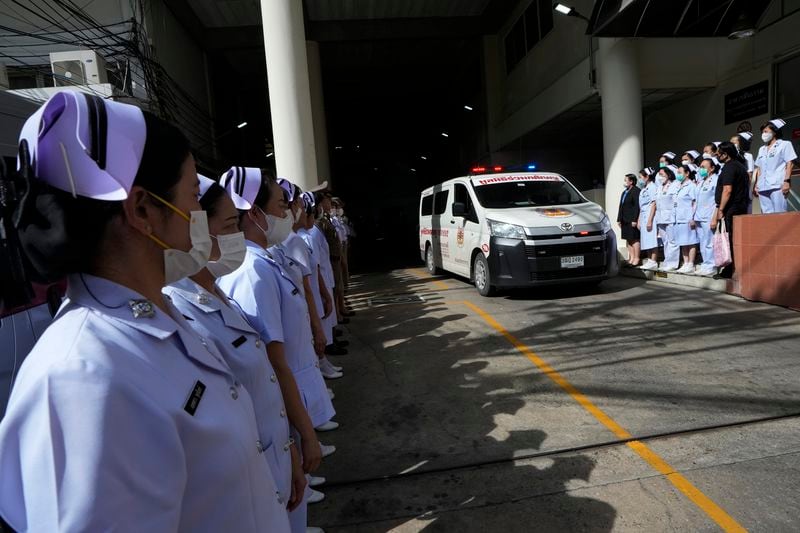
(329, 373)
(315, 496)
(314, 481)
(649, 264)
(311, 529)
(709, 272)
(330, 365)
(331, 394)
(686, 269)
(668, 269)
(327, 450)
(330, 425)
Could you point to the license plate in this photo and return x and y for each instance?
(572, 261)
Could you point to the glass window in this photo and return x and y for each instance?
(461, 195)
(515, 44)
(427, 205)
(440, 202)
(787, 97)
(527, 194)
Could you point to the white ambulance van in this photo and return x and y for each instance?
(512, 230)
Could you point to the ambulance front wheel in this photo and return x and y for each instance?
(480, 275)
(430, 263)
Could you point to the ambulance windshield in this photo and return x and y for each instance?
(511, 194)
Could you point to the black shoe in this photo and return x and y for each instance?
(332, 349)
(337, 332)
(341, 344)
(345, 320)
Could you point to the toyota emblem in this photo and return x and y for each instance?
(566, 226)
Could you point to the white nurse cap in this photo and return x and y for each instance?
(668, 155)
(242, 185)
(778, 123)
(205, 184)
(86, 145)
(694, 153)
(746, 135)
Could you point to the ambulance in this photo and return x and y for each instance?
(506, 230)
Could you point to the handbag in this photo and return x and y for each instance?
(722, 246)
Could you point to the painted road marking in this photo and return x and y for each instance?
(695, 495)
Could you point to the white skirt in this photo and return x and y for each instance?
(684, 235)
(648, 239)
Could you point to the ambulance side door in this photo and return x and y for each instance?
(466, 229)
(441, 226)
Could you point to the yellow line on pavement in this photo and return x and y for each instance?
(714, 511)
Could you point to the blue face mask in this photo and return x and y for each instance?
(703, 172)
(680, 177)
(662, 165)
(640, 183)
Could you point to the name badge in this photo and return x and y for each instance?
(238, 342)
(194, 398)
(294, 292)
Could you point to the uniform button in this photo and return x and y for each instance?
(258, 343)
(286, 447)
(203, 342)
(234, 393)
(260, 446)
(283, 413)
(272, 378)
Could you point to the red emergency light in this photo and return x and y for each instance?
(476, 170)
(498, 169)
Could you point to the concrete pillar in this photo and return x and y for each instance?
(289, 93)
(621, 100)
(318, 112)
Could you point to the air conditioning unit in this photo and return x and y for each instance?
(79, 67)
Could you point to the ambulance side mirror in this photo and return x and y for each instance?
(459, 209)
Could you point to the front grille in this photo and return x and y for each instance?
(557, 236)
(559, 250)
(567, 274)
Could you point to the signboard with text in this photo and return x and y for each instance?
(747, 103)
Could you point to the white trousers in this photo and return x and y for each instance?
(672, 251)
(706, 235)
(772, 202)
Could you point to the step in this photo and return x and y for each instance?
(685, 280)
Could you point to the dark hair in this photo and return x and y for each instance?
(669, 160)
(647, 177)
(61, 234)
(631, 178)
(210, 200)
(710, 162)
(729, 149)
(744, 144)
(265, 190)
(714, 147)
(669, 172)
(689, 172)
(776, 131)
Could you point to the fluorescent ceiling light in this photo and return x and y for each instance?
(445, 135)
(242, 125)
(561, 8)
(468, 108)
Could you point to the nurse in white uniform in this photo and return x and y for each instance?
(706, 212)
(273, 304)
(122, 417)
(685, 203)
(216, 318)
(774, 168)
(326, 268)
(665, 216)
(293, 254)
(647, 209)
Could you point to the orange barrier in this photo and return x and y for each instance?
(766, 249)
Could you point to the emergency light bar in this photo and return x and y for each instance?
(512, 168)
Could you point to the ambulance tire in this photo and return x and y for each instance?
(430, 263)
(481, 277)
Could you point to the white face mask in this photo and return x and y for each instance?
(179, 264)
(232, 251)
(278, 229)
(767, 136)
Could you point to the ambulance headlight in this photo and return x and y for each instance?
(605, 224)
(506, 231)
